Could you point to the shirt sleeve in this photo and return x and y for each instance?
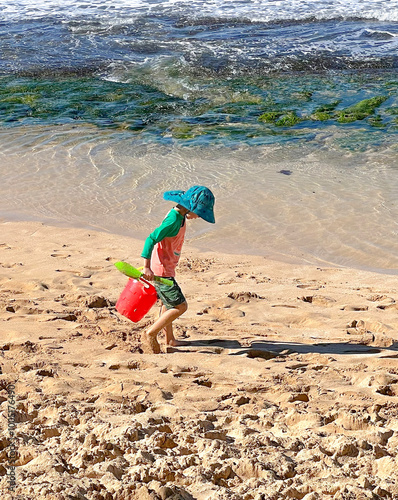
(169, 228)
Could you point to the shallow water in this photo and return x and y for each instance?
(297, 201)
(287, 110)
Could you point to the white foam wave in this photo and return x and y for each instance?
(254, 10)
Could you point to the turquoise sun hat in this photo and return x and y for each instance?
(198, 199)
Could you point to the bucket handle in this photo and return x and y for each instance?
(145, 283)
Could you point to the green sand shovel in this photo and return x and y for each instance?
(132, 272)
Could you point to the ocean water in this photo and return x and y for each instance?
(286, 109)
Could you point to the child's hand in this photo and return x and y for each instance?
(148, 274)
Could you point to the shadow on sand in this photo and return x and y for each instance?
(273, 349)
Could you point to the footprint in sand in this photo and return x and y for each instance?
(298, 397)
(205, 382)
(79, 274)
(140, 365)
(228, 307)
(177, 370)
(318, 300)
(245, 297)
(64, 254)
(355, 308)
(211, 350)
(61, 255)
(378, 298)
(309, 285)
(258, 279)
(289, 306)
(386, 307)
(384, 383)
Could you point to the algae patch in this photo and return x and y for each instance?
(270, 116)
(325, 112)
(280, 118)
(288, 120)
(360, 110)
(377, 121)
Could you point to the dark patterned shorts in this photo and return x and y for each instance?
(171, 296)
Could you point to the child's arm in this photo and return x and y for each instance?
(147, 272)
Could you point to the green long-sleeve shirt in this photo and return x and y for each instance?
(170, 227)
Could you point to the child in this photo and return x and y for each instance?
(161, 254)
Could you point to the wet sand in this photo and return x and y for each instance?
(288, 387)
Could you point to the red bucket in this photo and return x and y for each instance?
(136, 300)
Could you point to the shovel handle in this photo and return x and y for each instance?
(132, 272)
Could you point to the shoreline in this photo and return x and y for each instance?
(283, 258)
(288, 387)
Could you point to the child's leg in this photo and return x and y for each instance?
(164, 321)
(170, 339)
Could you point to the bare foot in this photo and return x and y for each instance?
(177, 343)
(150, 344)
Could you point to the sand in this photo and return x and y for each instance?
(288, 388)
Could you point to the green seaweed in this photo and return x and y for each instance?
(270, 116)
(325, 111)
(392, 111)
(288, 120)
(253, 110)
(360, 110)
(27, 99)
(182, 131)
(321, 116)
(280, 118)
(376, 121)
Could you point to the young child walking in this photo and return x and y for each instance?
(161, 254)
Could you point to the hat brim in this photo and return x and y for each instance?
(206, 215)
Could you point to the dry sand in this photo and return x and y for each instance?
(289, 388)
